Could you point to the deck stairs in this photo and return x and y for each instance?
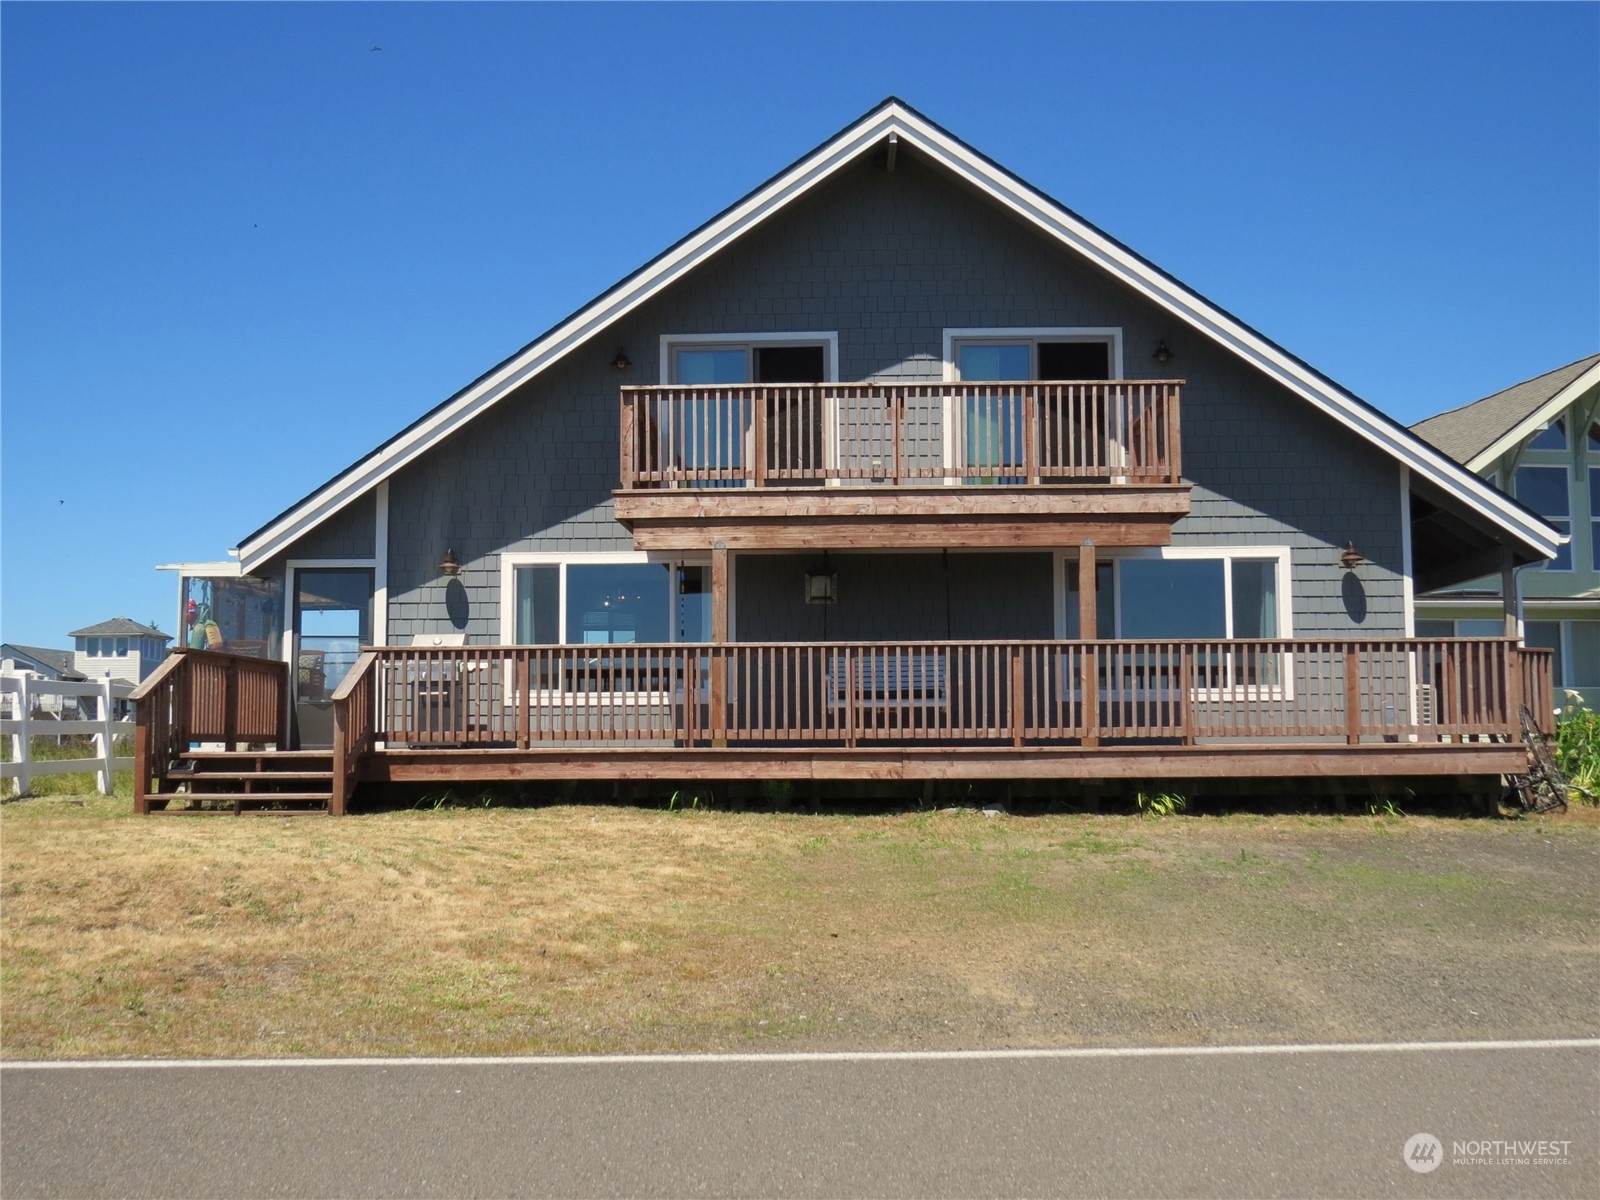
(264, 783)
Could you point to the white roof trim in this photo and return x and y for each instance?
(1541, 416)
(229, 569)
(1033, 206)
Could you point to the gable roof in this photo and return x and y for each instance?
(59, 661)
(1478, 433)
(894, 118)
(120, 627)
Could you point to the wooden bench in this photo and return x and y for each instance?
(887, 682)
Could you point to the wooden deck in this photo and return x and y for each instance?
(875, 711)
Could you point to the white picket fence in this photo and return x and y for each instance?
(17, 696)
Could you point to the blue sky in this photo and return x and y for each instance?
(241, 247)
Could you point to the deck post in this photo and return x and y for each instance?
(1514, 698)
(1016, 696)
(1510, 597)
(758, 429)
(1352, 695)
(1091, 693)
(1087, 625)
(717, 717)
(1030, 435)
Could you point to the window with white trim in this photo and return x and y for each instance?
(987, 427)
(600, 599)
(1547, 492)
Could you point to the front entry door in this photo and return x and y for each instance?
(332, 621)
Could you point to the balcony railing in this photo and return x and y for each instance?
(1278, 693)
(901, 434)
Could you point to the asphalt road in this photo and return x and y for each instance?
(1312, 1123)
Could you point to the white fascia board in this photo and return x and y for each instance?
(1032, 205)
(1541, 416)
(198, 570)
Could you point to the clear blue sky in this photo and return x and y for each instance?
(241, 247)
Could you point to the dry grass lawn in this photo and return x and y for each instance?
(619, 929)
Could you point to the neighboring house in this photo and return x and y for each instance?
(120, 648)
(40, 662)
(1540, 441)
(897, 468)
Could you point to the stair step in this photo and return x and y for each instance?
(251, 755)
(246, 797)
(231, 776)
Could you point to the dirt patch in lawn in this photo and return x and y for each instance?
(617, 929)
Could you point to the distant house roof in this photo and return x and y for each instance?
(42, 658)
(120, 627)
(1480, 432)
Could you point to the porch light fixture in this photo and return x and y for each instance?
(621, 362)
(822, 588)
(1350, 557)
(450, 566)
(1162, 354)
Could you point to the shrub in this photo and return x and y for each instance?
(1578, 748)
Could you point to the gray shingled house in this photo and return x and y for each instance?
(896, 468)
(1540, 441)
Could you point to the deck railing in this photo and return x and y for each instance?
(948, 693)
(354, 727)
(809, 435)
(205, 696)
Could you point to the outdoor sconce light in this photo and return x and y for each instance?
(621, 362)
(1162, 354)
(1350, 557)
(822, 588)
(450, 566)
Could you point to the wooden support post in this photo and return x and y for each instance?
(758, 428)
(1186, 690)
(1017, 706)
(628, 449)
(341, 762)
(1352, 696)
(524, 686)
(1510, 600)
(1030, 435)
(1514, 699)
(1087, 625)
(1090, 688)
(230, 706)
(142, 750)
(718, 716)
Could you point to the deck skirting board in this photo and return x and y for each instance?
(895, 763)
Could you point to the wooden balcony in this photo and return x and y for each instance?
(880, 465)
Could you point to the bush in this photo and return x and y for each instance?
(1578, 748)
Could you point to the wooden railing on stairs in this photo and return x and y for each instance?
(204, 696)
(354, 727)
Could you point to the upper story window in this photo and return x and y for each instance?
(750, 358)
(988, 426)
(1552, 437)
(1546, 491)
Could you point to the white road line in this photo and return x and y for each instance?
(812, 1056)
